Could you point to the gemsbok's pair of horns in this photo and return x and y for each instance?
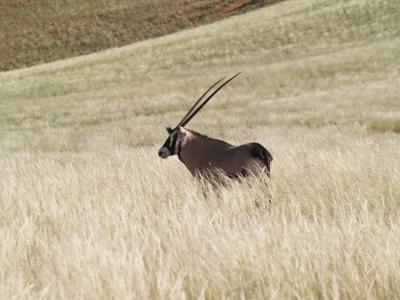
(207, 157)
(196, 107)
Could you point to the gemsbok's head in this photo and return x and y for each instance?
(172, 144)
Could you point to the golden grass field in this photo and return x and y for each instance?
(89, 211)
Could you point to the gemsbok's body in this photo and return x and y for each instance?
(208, 157)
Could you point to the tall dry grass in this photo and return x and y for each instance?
(122, 224)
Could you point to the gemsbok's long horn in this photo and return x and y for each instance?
(189, 117)
(198, 101)
(208, 158)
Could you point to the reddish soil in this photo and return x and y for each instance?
(33, 41)
(234, 6)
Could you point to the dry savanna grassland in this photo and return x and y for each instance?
(89, 211)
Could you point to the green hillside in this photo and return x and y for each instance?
(35, 32)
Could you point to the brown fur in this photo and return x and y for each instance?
(203, 156)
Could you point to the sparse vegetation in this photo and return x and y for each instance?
(87, 210)
(34, 32)
(386, 125)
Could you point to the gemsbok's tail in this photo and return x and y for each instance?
(262, 153)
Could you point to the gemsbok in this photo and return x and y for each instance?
(207, 157)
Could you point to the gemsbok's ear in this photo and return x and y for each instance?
(169, 130)
(182, 131)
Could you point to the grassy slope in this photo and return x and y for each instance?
(88, 210)
(283, 54)
(34, 32)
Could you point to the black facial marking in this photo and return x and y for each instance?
(171, 141)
